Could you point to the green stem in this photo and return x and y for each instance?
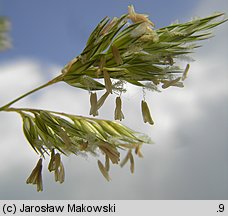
(32, 110)
(55, 80)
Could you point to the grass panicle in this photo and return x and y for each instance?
(125, 49)
(129, 52)
(131, 49)
(48, 132)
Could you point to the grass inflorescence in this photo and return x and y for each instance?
(128, 49)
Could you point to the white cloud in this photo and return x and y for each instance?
(184, 138)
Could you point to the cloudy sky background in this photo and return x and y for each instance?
(189, 159)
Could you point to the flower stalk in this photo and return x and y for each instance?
(53, 81)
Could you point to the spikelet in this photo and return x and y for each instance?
(69, 65)
(146, 113)
(116, 55)
(64, 136)
(100, 131)
(109, 128)
(185, 74)
(103, 170)
(109, 26)
(36, 176)
(118, 112)
(88, 127)
(93, 104)
(151, 36)
(122, 129)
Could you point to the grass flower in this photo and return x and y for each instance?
(111, 152)
(137, 18)
(94, 105)
(60, 173)
(101, 101)
(169, 83)
(107, 164)
(118, 110)
(56, 165)
(138, 151)
(117, 52)
(103, 170)
(108, 82)
(146, 113)
(36, 176)
(129, 157)
(44, 131)
(137, 53)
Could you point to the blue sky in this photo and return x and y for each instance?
(56, 30)
(190, 156)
